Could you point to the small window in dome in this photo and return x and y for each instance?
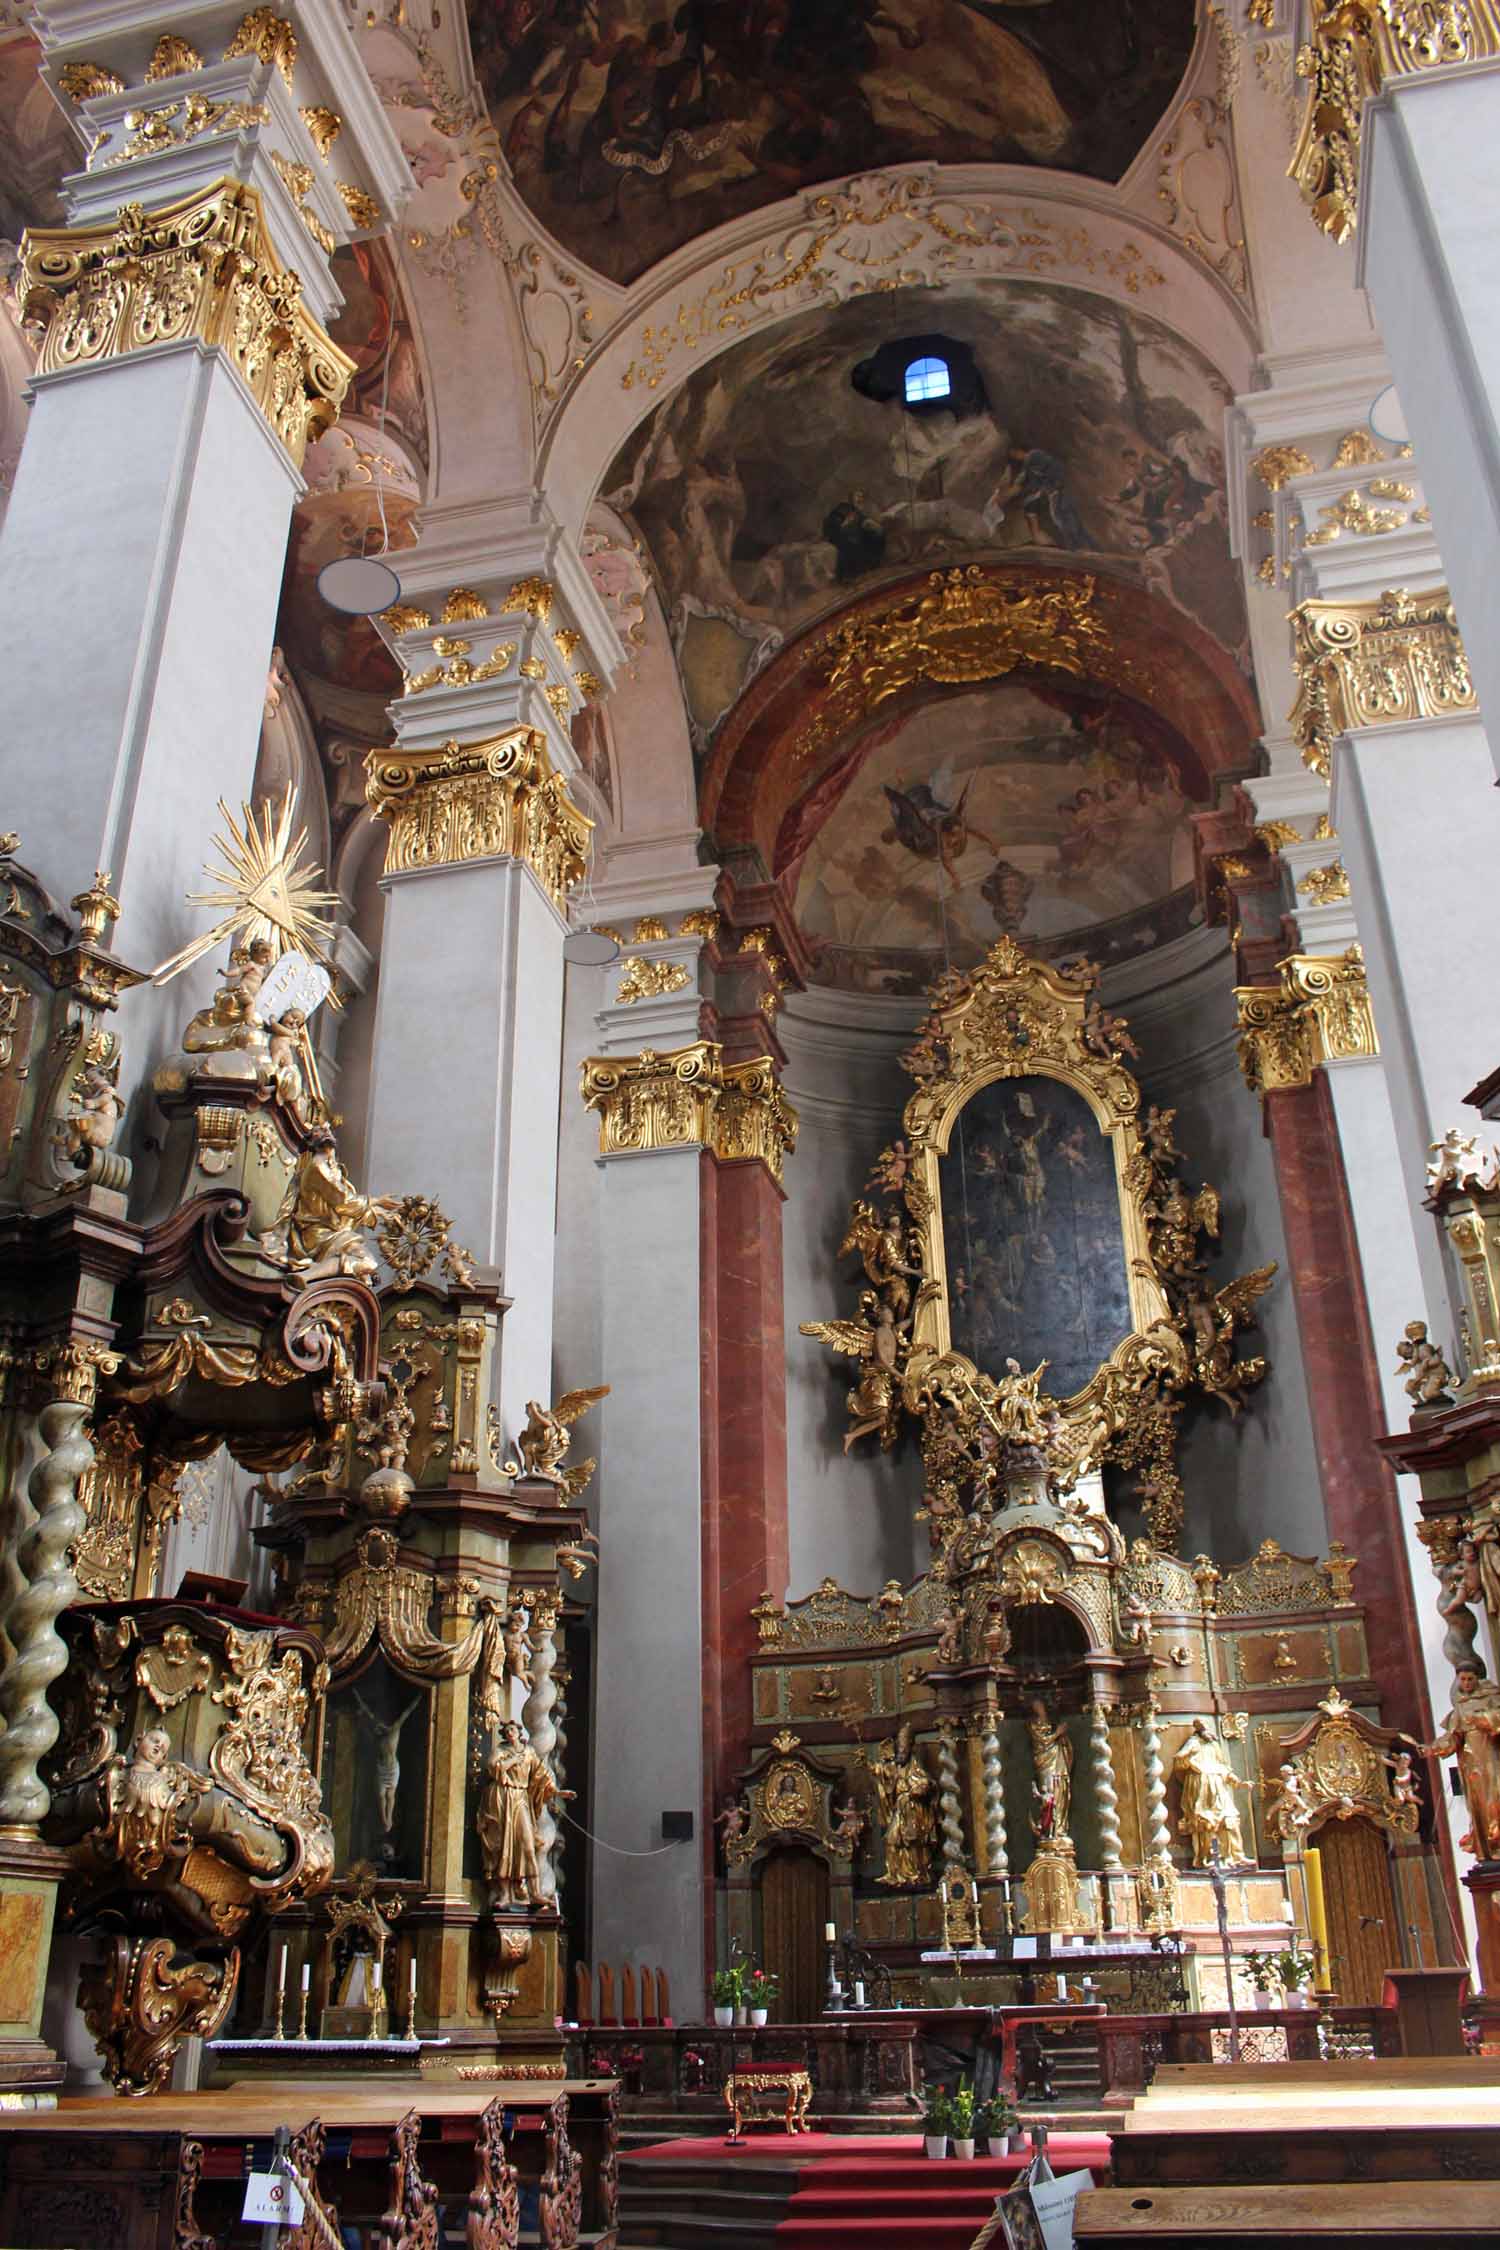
(926, 379)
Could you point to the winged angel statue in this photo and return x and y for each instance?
(543, 1444)
(878, 1339)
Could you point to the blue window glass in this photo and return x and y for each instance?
(926, 379)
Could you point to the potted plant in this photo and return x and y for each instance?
(963, 2121)
(761, 1989)
(1296, 1970)
(995, 2121)
(726, 1995)
(937, 2121)
(1264, 1975)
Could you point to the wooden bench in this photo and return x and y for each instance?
(1453, 2211)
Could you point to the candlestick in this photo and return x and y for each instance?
(1317, 1916)
(279, 2033)
(306, 1994)
(411, 2001)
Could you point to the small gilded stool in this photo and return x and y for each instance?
(776, 2094)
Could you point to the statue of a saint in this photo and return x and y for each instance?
(1209, 1813)
(386, 1736)
(1471, 1732)
(323, 1214)
(517, 1790)
(905, 1792)
(1052, 1778)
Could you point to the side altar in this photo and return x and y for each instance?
(1065, 1747)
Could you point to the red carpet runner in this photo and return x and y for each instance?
(869, 2190)
(906, 2201)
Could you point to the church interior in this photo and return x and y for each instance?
(749, 1134)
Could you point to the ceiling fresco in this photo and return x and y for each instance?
(1057, 815)
(769, 492)
(632, 126)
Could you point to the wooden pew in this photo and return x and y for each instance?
(1335, 2218)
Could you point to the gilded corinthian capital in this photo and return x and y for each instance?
(691, 1098)
(497, 799)
(1318, 1013)
(203, 268)
(1385, 663)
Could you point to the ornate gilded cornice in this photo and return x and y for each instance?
(496, 799)
(1354, 47)
(1319, 1013)
(203, 268)
(691, 1098)
(1381, 663)
(968, 625)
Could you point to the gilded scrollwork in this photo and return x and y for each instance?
(998, 1434)
(203, 267)
(1350, 53)
(1387, 662)
(1342, 1767)
(1318, 1012)
(496, 799)
(688, 1097)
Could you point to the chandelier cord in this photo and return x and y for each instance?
(620, 1850)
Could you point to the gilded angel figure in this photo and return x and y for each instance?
(876, 1341)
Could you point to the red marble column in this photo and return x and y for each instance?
(1343, 1386)
(744, 1525)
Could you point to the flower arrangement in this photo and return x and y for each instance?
(937, 2118)
(997, 2118)
(1296, 1967)
(1263, 1970)
(761, 1988)
(729, 1987)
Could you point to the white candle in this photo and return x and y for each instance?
(412, 1982)
(379, 1973)
(1062, 1988)
(830, 1934)
(281, 1972)
(859, 1993)
(1287, 1915)
(306, 1975)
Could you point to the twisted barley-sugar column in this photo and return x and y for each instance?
(1106, 1797)
(996, 1842)
(950, 1816)
(1158, 1835)
(45, 1560)
(536, 1717)
(559, 1771)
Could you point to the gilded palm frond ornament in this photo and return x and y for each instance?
(268, 892)
(1034, 1287)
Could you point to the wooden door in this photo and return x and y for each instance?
(1364, 1932)
(793, 1910)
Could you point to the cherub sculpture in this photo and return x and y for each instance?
(1213, 1315)
(544, 1442)
(848, 1829)
(889, 1257)
(94, 1121)
(1428, 1375)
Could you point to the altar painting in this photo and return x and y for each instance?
(1032, 1238)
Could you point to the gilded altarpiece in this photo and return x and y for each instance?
(1078, 1720)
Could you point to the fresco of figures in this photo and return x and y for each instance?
(771, 489)
(1056, 815)
(632, 125)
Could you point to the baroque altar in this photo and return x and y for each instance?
(1062, 1715)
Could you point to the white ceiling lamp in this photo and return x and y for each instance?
(1386, 418)
(363, 585)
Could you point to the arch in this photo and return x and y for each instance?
(796, 738)
(933, 224)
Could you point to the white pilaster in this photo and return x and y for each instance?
(1429, 180)
(648, 1747)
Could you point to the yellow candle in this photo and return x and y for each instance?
(1317, 1918)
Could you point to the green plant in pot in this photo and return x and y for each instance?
(937, 2121)
(963, 2119)
(728, 1989)
(1296, 1969)
(761, 1989)
(1264, 1972)
(995, 2121)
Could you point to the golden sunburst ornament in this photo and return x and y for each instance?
(270, 894)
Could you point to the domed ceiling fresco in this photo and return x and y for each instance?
(1057, 815)
(769, 492)
(631, 126)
